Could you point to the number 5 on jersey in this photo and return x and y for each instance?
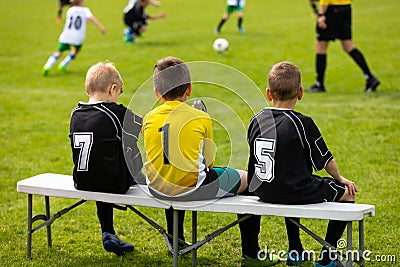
(264, 168)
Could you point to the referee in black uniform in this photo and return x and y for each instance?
(334, 22)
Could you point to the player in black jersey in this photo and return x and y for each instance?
(102, 162)
(285, 147)
(61, 5)
(136, 18)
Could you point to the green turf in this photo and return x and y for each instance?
(362, 130)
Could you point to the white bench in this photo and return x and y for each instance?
(57, 185)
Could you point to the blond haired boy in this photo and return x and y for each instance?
(102, 163)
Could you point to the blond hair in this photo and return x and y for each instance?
(101, 76)
(284, 81)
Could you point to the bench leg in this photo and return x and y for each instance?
(175, 239)
(48, 226)
(361, 242)
(29, 234)
(349, 262)
(194, 237)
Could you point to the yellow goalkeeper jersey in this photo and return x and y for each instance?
(334, 2)
(179, 145)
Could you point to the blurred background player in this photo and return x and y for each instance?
(61, 5)
(232, 5)
(334, 21)
(74, 34)
(136, 18)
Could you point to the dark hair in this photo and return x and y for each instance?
(171, 77)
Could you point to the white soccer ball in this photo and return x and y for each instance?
(221, 45)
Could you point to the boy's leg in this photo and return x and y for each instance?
(338, 193)
(50, 63)
(333, 234)
(293, 233)
(105, 213)
(295, 253)
(224, 18)
(68, 59)
(240, 22)
(249, 231)
(169, 215)
(111, 242)
(53, 59)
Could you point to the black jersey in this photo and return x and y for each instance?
(100, 155)
(136, 15)
(285, 146)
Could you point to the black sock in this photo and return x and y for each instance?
(320, 66)
(169, 215)
(293, 233)
(240, 21)
(333, 234)
(220, 24)
(361, 62)
(249, 230)
(105, 214)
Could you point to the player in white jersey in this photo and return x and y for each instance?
(74, 34)
(232, 5)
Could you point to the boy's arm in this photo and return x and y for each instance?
(157, 16)
(333, 170)
(155, 3)
(209, 144)
(98, 24)
(314, 6)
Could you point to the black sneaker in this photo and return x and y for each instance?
(316, 88)
(112, 243)
(371, 85)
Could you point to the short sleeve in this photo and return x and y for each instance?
(316, 147)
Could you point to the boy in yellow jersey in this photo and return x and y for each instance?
(179, 143)
(334, 22)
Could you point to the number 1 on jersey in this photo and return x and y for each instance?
(165, 131)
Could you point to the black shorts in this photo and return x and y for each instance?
(134, 23)
(338, 21)
(315, 189)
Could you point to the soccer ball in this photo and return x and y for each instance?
(221, 45)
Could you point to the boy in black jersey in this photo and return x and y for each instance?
(102, 163)
(136, 18)
(285, 146)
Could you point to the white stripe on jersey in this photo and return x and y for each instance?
(112, 116)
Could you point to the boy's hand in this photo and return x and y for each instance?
(321, 22)
(349, 184)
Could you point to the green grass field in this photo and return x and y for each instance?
(362, 130)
